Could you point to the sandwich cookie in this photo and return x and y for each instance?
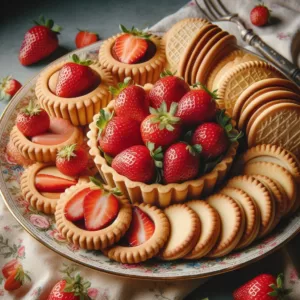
(210, 228)
(232, 224)
(252, 215)
(260, 194)
(184, 232)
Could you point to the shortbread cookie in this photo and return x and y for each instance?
(42, 185)
(210, 228)
(241, 77)
(279, 175)
(252, 215)
(91, 239)
(260, 194)
(259, 85)
(279, 125)
(232, 224)
(185, 232)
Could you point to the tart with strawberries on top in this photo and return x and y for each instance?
(74, 90)
(38, 137)
(133, 53)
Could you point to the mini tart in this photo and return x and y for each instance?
(184, 232)
(232, 224)
(42, 153)
(141, 73)
(158, 194)
(145, 251)
(210, 228)
(92, 240)
(44, 202)
(79, 110)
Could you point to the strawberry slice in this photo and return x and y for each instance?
(141, 228)
(74, 208)
(129, 48)
(52, 184)
(100, 209)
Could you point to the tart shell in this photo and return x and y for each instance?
(79, 110)
(92, 240)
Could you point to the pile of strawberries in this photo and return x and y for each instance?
(171, 134)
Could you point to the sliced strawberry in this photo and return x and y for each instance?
(100, 209)
(141, 228)
(74, 208)
(49, 139)
(52, 184)
(129, 48)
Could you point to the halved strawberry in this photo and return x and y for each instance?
(52, 184)
(100, 209)
(141, 228)
(74, 208)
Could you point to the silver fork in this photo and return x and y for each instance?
(215, 11)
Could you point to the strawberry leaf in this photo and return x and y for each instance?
(135, 31)
(76, 59)
(166, 73)
(213, 94)
(67, 152)
(32, 109)
(115, 91)
(103, 120)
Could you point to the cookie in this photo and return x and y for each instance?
(259, 85)
(279, 175)
(252, 215)
(210, 228)
(232, 224)
(279, 125)
(241, 77)
(260, 194)
(185, 232)
(151, 247)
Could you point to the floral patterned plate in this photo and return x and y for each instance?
(43, 228)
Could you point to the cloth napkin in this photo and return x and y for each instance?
(46, 268)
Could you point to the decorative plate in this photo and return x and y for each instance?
(42, 227)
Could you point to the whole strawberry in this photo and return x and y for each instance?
(130, 101)
(259, 15)
(161, 128)
(76, 78)
(33, 120)
(16, 279)
(8, 88)
(10, 267)
(181, 162)
(72, 160)
(197, 106)
(117, 133)
(84, 38)
(262, 287)
(39, 42)
(138, 163)
(169, 89)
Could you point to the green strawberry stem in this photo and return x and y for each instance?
(213, 94)
(115, 91)
(194, 149)
(134, 31)
(76, 59)
(166, 73)
(48, 23)
(32, 109)
(163, 117)
(157, 155)
(22, 276)
(100, 184)
(67, 152)
(279, 292)
(103, 120)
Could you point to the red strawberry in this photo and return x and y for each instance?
(100, 209)
(262, 287)
(130, 101)
(8, 88)
(161, 128)
(10, 267)
(259, 15)
(72, 160)
(39, 42)
(181, 162)
(33, 120)
(141, 228)
(131, 46)
(85, 38)
(196, 107)
(117, 133)
(138, 163)
(45, 183)
(169, 89)
(74, 207)
(16, 279)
